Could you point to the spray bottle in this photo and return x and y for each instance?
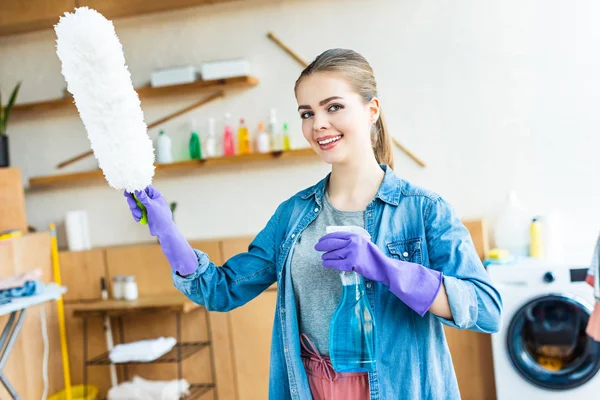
(352, 328)
(228, 142)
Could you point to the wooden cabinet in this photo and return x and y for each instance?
(24, 365)
(17, 16)
(251, 328)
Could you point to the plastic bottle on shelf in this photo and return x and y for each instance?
(244, 142)
(195, 143)
(275, 132)
(287, 146)
(211, 140)
(511, 228)
(163, 148)
(262, 140)
(228, 141)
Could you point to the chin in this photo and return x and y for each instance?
(331, 157)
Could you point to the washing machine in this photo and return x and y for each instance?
(542, 350)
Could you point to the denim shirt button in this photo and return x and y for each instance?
(317, 209)
(293, 235)
(283, 310)
(405, 254)
(285, 350)
(369, 285)
(293, 390)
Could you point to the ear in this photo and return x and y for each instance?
(374, 108)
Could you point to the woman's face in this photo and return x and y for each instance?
(336, 121)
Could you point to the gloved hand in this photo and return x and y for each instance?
(176, 248)
(414, 284)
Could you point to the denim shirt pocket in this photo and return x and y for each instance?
(408, 250)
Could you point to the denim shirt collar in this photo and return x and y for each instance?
(389, 190)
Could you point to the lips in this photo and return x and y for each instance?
(329, 142)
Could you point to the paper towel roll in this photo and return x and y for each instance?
(78, 231)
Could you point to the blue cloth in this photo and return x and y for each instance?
(407, 223)
(30, 288)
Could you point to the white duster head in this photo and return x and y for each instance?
(94, 67)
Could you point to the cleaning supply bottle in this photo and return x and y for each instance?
(535, 235)
(244, 143)
(276, 136)
(211, 140)
(195, 144)
(352, 327)
(286, 138)
(511, 228)
(262, 139)
(163, 148)
(228, 141)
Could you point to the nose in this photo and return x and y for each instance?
(320, 122)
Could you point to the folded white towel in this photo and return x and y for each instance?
(142, 351)
(142, 389)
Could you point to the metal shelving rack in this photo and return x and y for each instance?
(117, 309)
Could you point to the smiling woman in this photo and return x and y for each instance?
(420, 267)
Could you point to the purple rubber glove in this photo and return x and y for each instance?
(414, 284)
(175, 247)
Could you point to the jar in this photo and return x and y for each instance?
(117, 287)
(130, 289)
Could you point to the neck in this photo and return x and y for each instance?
(354, 184)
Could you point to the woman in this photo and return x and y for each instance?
(420, 266)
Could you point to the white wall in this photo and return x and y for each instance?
(492, 95)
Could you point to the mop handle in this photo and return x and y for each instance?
(61, 314)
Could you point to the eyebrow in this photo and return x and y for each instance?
(322, 102)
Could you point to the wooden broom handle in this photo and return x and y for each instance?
(169, 117)
(285, 48)
(408, 152)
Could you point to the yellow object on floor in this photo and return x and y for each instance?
(5, 235)
(78, 392)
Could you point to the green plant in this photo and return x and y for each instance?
(5, 111)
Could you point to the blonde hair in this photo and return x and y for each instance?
(359, 74)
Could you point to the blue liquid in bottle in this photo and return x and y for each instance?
(352, 328)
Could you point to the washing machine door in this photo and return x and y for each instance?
(547, 343)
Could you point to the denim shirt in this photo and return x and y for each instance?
(407, 223)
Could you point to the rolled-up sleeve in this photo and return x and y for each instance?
(239, 280)
(475, 304)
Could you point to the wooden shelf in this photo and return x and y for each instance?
(86, 178)
(187, 350)
(148, 92)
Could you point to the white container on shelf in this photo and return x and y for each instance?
(130, 288)
(222, 69)
(173, 76)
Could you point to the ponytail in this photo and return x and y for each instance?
(382, 146)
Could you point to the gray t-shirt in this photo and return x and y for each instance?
(317, 289)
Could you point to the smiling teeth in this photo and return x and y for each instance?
(327, 141)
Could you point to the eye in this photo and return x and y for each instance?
(335, 107)
(306, 115)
